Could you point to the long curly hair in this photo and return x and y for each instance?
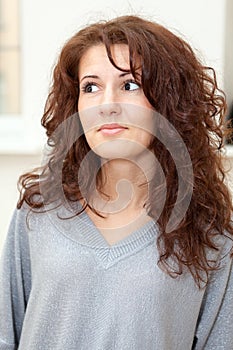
(181, 89)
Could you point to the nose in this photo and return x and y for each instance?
(110, 109)
(109, 104)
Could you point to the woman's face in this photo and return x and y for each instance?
(116, 116)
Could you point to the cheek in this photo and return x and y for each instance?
(87, 125)
(146, 129)
(140, 117)
(90, 139)
(144, 138)
(89, 118)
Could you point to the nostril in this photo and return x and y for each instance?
(110, 109)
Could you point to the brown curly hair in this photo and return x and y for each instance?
(178, 87)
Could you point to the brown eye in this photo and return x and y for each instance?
(90, 87)
(131, 85)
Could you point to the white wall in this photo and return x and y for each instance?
(228, 57)
(45, 25)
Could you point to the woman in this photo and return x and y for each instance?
(123, 239)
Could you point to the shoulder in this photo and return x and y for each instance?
(220, 277)
(215, 326)
(49, 216)
(225, 245)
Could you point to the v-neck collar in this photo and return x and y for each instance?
(82, 230)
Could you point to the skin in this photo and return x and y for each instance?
(111, 97)
(108, 95)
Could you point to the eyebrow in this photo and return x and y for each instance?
(97, 77)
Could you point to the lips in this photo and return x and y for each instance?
(112, 129)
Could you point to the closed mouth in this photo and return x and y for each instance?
(111, 129)
(112, 126)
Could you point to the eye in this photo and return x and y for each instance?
(90, 87)
(131, 85)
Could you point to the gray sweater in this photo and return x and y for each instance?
(62, 287)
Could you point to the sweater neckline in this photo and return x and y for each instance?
(82, 230)
(94, 232)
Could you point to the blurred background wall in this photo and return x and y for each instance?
(37, 31)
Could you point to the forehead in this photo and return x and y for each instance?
(96, 57)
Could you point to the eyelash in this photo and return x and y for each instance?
(89, 83)
(132, 81)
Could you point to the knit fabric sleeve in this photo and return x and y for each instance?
(215, 326)
(15, 281)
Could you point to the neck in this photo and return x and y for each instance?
(125, 185)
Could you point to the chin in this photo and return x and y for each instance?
(120, 149)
